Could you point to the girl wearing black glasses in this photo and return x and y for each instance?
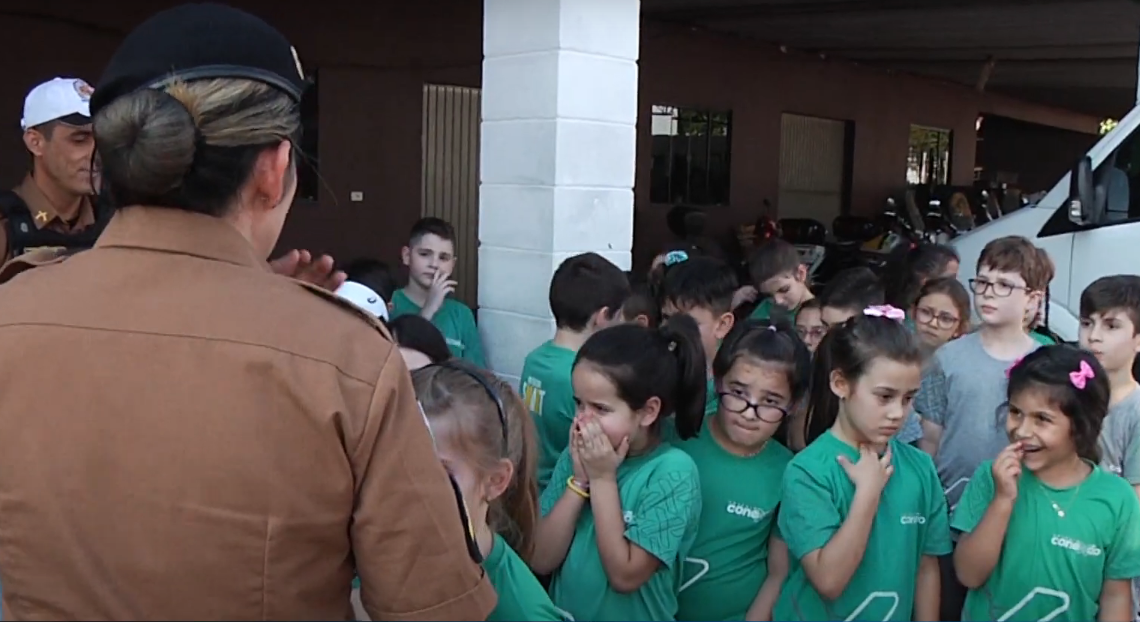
(736, 565)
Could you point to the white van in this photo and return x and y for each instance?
(1089, 223)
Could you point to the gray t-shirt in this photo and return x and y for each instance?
(1120, 439)
(1119, 444)
(963, 390)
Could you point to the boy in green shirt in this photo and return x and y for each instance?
(430, 259)
(586, 295)
(703, 289)
(780, 274)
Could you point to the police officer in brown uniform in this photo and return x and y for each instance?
(183, 433)
(54, 205)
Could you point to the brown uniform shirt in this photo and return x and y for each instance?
(45, 215)
(185, 435)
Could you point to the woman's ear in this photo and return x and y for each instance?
(275, 177)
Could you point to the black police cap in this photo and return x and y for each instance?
(200, 41)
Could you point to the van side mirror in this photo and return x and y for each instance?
(1086, 197)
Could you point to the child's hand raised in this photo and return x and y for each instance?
(442, 286)
(580, 475)
(1007, 470)
(597, 453)
(871, 472)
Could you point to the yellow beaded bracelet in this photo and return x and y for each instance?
(580, 491)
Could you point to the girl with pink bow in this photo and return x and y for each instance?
(1045, 504)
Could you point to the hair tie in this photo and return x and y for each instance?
(672, 345)
(675, 257)
(772, 327)
(1082, 375)
(887, 311)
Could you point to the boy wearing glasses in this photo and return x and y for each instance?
(965, 383)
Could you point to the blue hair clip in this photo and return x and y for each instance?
(675, 257)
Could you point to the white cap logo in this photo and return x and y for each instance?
(83, 89)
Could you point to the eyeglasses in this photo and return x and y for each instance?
(768, 413)
(1001, 290)
(926, 315)
(814, 332)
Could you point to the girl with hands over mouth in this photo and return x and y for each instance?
(863, 515)
(599, 459)
(1046, 533)
(622, 507)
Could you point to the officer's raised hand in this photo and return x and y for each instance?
(300, 264)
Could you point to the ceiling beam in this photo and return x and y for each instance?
(806, 8)
(980, 52)
(1020, 62)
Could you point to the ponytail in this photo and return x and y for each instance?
(683, 340)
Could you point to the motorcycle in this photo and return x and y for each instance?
(809, 236)
(824, 255)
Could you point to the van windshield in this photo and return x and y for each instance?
(1121, 172)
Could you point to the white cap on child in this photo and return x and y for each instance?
(364, 298)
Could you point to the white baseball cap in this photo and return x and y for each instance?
(365, 298)
(56, 99)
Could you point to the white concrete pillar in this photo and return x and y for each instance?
(557, 156)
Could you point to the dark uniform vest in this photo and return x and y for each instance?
(24, 236)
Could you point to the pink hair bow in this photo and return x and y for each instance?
(1015, 364)
(887, 311)
(1083, 374)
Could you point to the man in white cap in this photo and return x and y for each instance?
(54, 206)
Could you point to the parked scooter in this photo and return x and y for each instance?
(809, 236)
(827, 255)
(848, 249)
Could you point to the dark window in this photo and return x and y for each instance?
(691, 156)
(928, 158)
(308, 169)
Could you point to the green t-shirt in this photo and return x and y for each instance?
(454, 319)
(549, 395)
(661, 503)
(712, 400)
(1042, 339)
(521, 596)
(729, 560)
(763, 311)
(1098, 539)
(911, 522)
